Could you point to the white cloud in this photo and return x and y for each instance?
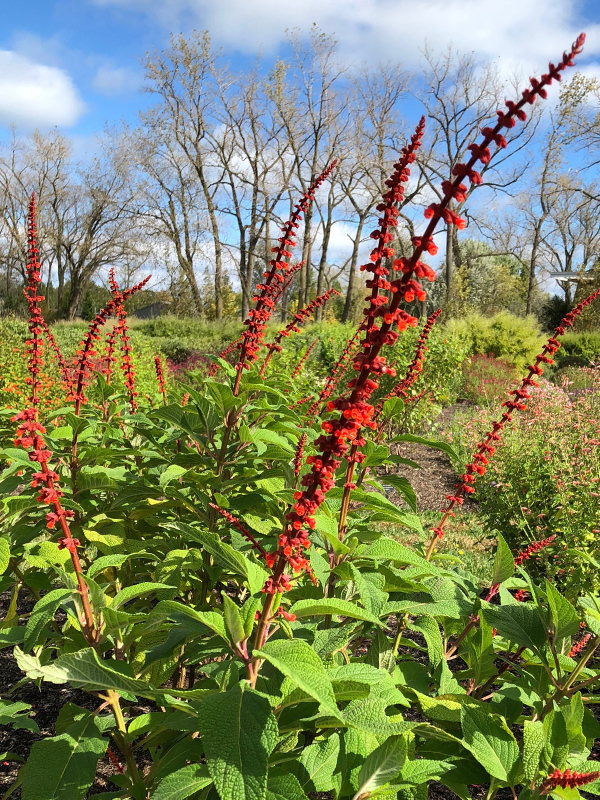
(36, 95)
(521, 32)
(117, 81)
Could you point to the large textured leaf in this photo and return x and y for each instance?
(382, 765)
(43, 611)
(297, 660)
(385, 549)
(225, 555)
(131, 592)
(4, 556)
(490, 741)
(533, 745)
(504, 563)
(80, 669)
(435, 445)
(239, 732)
(63, 767)
(519, 623)
(317, 764)
(565, 620)
(333, 607)
(424, 770)
(284, 787)
(183, 783)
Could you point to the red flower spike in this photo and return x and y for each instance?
(302, 361)
(567, 780)
(580, 645)
(299, 318)
(240, 527)
(415, 367)
(261, 313)
(161, 378)
(299, 455)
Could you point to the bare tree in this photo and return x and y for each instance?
(459, 96)
(180, 77)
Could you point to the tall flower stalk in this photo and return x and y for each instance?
(299, 318)
(276, 275)
(355, 411)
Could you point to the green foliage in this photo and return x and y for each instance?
(504, 335)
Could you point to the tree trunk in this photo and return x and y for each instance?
(353, 263)
(449, 264)
(214, 224)
(532, 266)
(75, 297)
(322, 263)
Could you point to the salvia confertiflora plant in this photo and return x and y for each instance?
(211, 578)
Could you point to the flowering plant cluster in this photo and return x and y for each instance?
(226, 593)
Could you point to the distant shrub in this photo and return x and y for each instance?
(504, 335)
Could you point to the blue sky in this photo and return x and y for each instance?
(75, 63)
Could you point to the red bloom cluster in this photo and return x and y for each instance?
(567, 780)
(126, 349)
(534, 547)
(416, 365)
(238, 526)
(356, 412)
(269, 292)
(160, 376)
(521, 595)
(579, 646)
(298, 368)
(37, 323)
(34, 344)
(115, 761)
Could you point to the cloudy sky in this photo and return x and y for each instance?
(75, 63)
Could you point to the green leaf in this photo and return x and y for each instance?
(424, 770)
(181, 784)
(239, 732)
(172, 472)
(82, 669)
(64, 767)
(297, 660)
(565, 620)
(403, 487)
(4, 556)
(434, 445)
(490, 741)
(385, 549)
(518, 623)
(130, 592)
(105, 562)
(382, 765)
(332, 607)
(284, 787)
(225, 555)
(17, 716)
(504, 563)
(533, 745)
(43, 611)
(317, 764)
(233, 620)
